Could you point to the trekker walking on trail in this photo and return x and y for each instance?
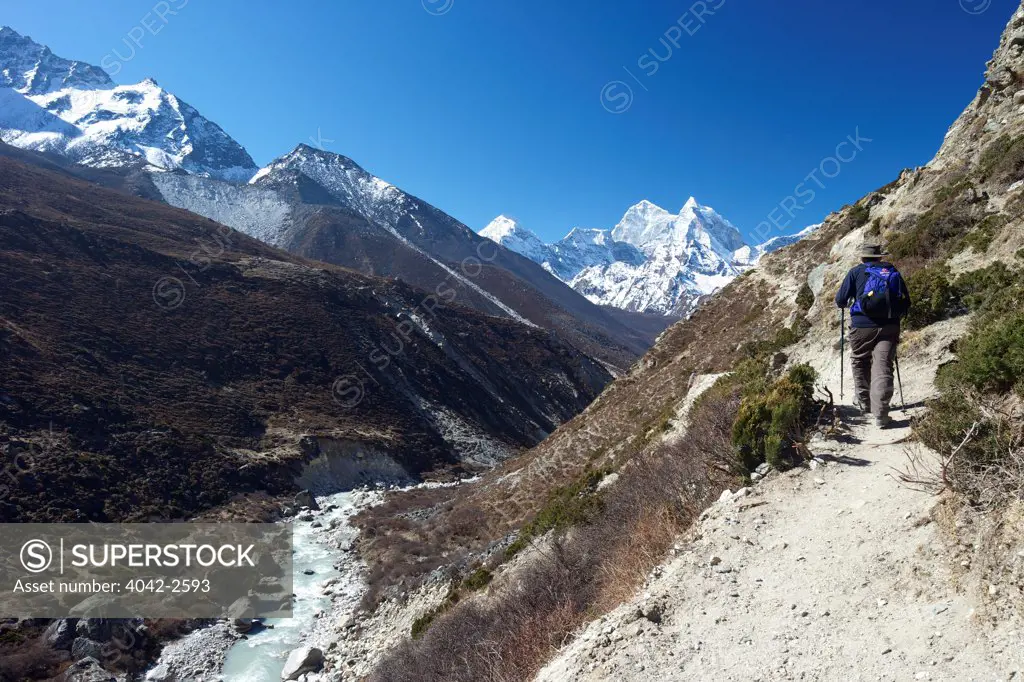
(880, 299)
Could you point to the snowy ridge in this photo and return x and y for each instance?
(347, 182)
(465, 280)
(73, 109)
(751, 255)
(507, 231)
(652, 261)
(31, 69)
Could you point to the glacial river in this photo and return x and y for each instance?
(261, 657)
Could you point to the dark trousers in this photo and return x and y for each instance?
(873, 354)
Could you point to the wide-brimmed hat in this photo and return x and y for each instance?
(871, 251)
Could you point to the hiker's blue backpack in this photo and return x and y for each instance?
(883, 294)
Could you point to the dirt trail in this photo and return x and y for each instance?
(836, 572)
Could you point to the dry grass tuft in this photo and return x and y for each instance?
(589, 569)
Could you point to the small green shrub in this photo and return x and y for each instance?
(567, 506)
(423, 623)
(748, 377)
(992, 291)
(1003, 160)
(876, 228)
(980, 237)
(952, 190)
(770, 423)
(990, 358)
(805, 297)
(784, 336)
(1020, 254)
(477, 580)
(934, 296)
(938, 230)
(858, 215)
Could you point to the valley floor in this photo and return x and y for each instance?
(835, 573)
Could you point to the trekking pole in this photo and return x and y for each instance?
(842, 350)
(899, 380)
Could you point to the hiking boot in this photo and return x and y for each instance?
(863, 407)
(883, 421)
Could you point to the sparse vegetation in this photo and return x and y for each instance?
(952, 190)
(933, 231)
(858, 215)
(992, 291)
(990, 359)
(567, 506)
(981, 235)
(1003, 160)
(934, 296)
(606, 556)
(31, 660)
(805, 297)
(783, 337)
(770, 424)
(975, 423)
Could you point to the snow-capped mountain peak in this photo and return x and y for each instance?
(504, 227)
(32, 69)
(652, 261)
(345, 180)
(651, 228)
(74, 109)
(510, 234)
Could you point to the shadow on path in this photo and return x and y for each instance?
(846, 459)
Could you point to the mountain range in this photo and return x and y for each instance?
(652, 261)
(311, 202)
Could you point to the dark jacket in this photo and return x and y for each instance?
(854, 283)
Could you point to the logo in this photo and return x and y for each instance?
(438, 7)
(36, 556)
(347, 391)
(975, 6)
(169, 293)
(616, 97)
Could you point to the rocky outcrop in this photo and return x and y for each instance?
(305, 659)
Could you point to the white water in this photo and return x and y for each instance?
(261, 657)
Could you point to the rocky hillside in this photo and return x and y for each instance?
(158, 364)
(576, 526)
(324, 206)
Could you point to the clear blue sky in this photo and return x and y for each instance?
(495, 105)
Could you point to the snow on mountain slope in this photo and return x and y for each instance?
(258, 212)
(653, 261)
(651, 228)
(586, 248)
(750, 255)
(510, 234)
(73, 109)
(30, 68)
